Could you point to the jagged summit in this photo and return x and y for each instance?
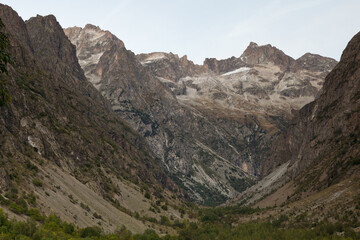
(48, 40)
(91, 26)
(255, 54)
(240, 103)
(144, 99)
(99, 41)
(253, 45)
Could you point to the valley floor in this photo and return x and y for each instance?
(212, 225)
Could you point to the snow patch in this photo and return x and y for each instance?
(239, 70)
(152, 58)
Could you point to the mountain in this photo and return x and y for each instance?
(314, 164)
(262, 76)
(263, 84)
(210, 125)
(180, 138)
(62, 148)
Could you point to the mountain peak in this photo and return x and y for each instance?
(48, 40)
(316, 62)
(253, 45)
(255, 54)
(91, 26)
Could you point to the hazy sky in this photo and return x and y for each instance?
(209, 28)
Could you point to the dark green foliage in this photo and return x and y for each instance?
(37, 182)
(31, 199)
(280, 221)
(147, 235)
(53, 228)
(84, 206)
(239, 185)
(147, 195)
(35, 214)
(225, 214)
(90, 232)
(164, 220)
(31, 166)
(251, 231)
(211, 198)
(96, 215)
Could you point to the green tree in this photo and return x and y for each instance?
(5, 58)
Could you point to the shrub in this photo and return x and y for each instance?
(37, 182)
(164, 220)
(97, 215)
(147, 195)
(35, 214)
(90, 232)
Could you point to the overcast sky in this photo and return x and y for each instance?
(209, 28)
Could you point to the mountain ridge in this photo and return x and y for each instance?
(318, 153)
(101, 136)
(188, 94)
(62, 144)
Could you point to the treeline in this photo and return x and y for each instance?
(52, 227)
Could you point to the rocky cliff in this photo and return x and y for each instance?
(209, 124)
(326, 131)
(317, 156)
(196, 151)
(62, 148)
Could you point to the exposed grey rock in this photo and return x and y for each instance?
(209, 124)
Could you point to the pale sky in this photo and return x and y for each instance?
(209, 28)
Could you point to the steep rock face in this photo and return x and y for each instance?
(90, 51)
(328, 128)
(60, 139)
(263, 87)
(196, 152)
(196, 118)
(320, 148)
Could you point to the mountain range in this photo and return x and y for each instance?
(210, 125)
(100, 135)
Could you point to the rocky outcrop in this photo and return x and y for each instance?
(223, 66)
(169, 66)
(255, 54)
(315, 62)
(90, 51)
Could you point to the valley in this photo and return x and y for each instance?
(99, 142)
